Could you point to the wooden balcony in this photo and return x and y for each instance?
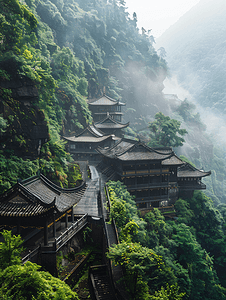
(151, 199)
(145, 172)
(192, 186)
(147, 185)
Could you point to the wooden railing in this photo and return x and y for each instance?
(154, 198)
(31, 254)
(147, 185)
(154, 171)
(109, 209)
(191, 185)
(166, 208)
(70, 232)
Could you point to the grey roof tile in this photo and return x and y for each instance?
(38, 196)
(105, 100)
(188, 170)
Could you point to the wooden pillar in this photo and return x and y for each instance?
(46, 233)
(54, 224)
(72, 214)
(66, 220)
(18, 231)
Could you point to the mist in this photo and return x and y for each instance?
(215, 124)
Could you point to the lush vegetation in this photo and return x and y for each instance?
(26, 281)
(196, 56)
(166, 132)
(184, 258)
(52, 56)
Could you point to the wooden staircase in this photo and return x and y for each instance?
(100, 283)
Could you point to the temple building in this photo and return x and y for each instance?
(152, 175)
(83, 146)
(103, 105)
(189, 179)
(38, 203)
(111, 126)
(104, 132)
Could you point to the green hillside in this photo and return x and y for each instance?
(56, 54)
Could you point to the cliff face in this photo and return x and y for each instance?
(27, 130)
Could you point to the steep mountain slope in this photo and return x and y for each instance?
(53, 56)
(117, 59)
(195, 47)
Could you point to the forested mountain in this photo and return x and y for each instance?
(195, 47)
(55, 54)
(195, 52)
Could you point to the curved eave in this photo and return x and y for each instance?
(173, 161)
(110, 112)
(24, 211)
(193, 175)
(138, 156)
(89, 139)
(94, 102)
(113, 127)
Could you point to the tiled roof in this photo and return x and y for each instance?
(110, 112)
(126, 150)
(173, 160)
(96, 131)
(142, 156)
(105, 100)
(121, 146)
(37, 196)
(111, 126)
(22, 210)
(88, 139)
(90, 135)
(110, 123)
(90, 130)
(188, 170)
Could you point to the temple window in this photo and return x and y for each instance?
(142, 205)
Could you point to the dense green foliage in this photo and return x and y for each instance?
(61, 85)
(61, 52)
(10, 250)
(164, 132)
(26, 281)
(190, 250)
(65, 51)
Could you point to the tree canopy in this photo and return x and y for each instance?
(166, 132)
(26, 281)
(185, 258)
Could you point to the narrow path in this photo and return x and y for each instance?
(88, 203)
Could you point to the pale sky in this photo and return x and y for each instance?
(158, 15)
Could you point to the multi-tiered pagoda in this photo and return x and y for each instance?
(104, 132)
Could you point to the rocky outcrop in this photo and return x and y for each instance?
(27, 129)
